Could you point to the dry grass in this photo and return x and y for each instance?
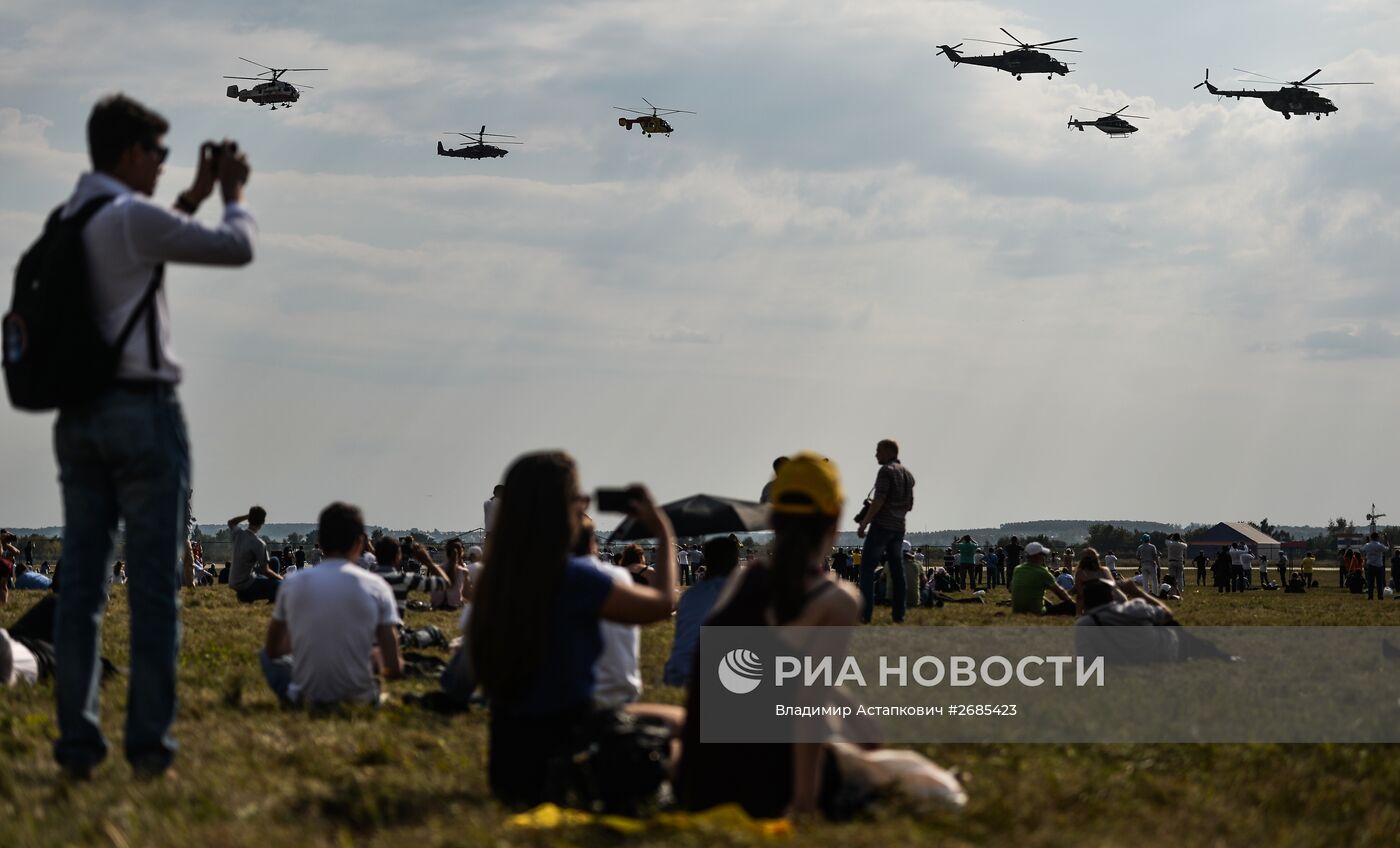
(250, 774)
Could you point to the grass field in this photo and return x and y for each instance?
(250, 774)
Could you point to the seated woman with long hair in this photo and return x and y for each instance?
(534, 632)
(793, 589)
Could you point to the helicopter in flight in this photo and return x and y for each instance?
(1025, 59)
(270, 90)
(480, 149)
(650, 124)
(1112, 123)
(1295, 98)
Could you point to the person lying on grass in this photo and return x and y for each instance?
(334, 627)
(1151, 632)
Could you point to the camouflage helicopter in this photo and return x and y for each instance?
(1025, 59)
(1112, 123)
(650, 124)
(1295, 98)
(270, 91)
(479, 150)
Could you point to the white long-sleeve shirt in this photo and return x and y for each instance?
(126, 240)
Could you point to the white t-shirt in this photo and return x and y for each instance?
(1176, 552)
(1375, 553)
(617, 675)
(26, 667)
(1111, 563)
(488, 513)
(682, 557)
(332, 612)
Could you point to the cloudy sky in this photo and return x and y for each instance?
(852, 239)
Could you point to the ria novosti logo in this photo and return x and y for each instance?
(740, 671)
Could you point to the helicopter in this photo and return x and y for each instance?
(1112, 123)
(269, 91)
(479, 150)
(1295, 98)
(650, 124)
(1025, 59)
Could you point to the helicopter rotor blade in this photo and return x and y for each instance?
(985, 41)
(1056, 41)
(676, 112)
(1013, 38)
(1308, 77)
(1316, 84)
(1257, 74)
(259, 64)
(254, 79)
(1124, 109)
(305, 69)
(633, 111)
(1060, 49)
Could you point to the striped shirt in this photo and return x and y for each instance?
(403, 583)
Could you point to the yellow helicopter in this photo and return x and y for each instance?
(653, 123)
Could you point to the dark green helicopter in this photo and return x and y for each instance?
(1025, 59)
(1295, 98)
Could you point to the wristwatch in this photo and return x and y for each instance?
(184, 204)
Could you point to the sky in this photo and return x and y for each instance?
(852, 239)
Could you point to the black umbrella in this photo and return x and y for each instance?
(700, 515)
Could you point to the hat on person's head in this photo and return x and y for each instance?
(1146, 538)
(807, 484)
(1036, 549)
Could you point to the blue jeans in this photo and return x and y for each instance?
(278, 674)
(885, 545)
(1375, 582)
(123, 455)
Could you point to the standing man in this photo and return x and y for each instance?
(251, 575)
(967, 562)
(1282, 568)
(884, 519)
(1237, 555)
(1200, 561)
(1176, 562)
(1147, 565)
(683, 564)
(1013, 558)
(123, 454)
(1375, 552)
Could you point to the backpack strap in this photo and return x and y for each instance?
(146, 306)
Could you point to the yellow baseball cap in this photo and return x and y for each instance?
(807, 484)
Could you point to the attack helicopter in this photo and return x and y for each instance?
(271, 90)
(480, 149)
(1112, 123)
(650, 124)
(1025, 59)
(1295, 98)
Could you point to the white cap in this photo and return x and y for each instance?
(1036, 549)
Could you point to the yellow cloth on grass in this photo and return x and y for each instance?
(725, 817)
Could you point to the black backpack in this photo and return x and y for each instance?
(54, 352)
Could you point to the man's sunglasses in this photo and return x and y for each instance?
(151, 146)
